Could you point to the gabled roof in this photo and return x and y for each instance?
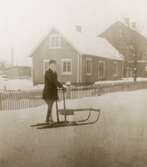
(89, 45)
(131, 37)
(131, 29)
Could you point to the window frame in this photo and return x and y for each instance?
(104, 71)
(66, 60)
(116, 68)
(89, 73)
(145, 68)
(53, 36)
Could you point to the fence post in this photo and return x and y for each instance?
(0, 101)
(68, 92)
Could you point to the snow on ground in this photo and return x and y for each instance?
(27, 84)
(119, 139)
(121, 81)
(15, 84)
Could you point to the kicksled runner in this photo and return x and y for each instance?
(91, 112)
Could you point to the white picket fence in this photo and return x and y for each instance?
(12, 100)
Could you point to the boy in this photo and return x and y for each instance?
(50, 91)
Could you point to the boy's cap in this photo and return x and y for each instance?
(52, 61)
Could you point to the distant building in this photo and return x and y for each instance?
(129, 42)
(2, 66)
(18, 72)
(80, 58)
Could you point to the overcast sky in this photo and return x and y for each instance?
(24, 22)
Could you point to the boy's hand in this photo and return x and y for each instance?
(64, 87)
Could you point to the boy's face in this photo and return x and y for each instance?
(52, 66)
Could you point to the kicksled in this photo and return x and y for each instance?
(92, 116)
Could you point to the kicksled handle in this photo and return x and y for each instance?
(64, 104)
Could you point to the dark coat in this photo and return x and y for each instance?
(50, 90)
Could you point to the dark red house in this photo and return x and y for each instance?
(132, 44)
(80, 58)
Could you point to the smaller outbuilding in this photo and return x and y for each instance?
(18, 72)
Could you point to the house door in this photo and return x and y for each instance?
(101, 70)
(129, 72)
(45, 65)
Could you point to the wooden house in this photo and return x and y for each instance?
(80, 58)
(132, 44)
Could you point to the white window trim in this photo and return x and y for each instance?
(142, 61)
(116, 70)
(89, 73)
(122, 70)
(101, 77)
(145, 68)
(45, 61)
(66, 60)
(78, 67)
(50, 41)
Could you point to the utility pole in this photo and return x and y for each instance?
(135, 67)
(135, 57)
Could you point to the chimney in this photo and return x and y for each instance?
(78, 28)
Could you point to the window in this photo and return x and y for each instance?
(101, 69)
(66, 66)
(55, 41)
(146, 68)
(116, 68)
(88, 66)
(45, 65)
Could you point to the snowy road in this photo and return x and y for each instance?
(119, 139)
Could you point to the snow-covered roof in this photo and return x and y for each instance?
(87, 44)
(90, 45)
